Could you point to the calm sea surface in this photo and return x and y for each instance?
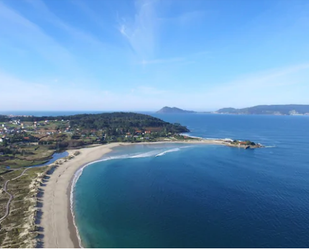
(202, 195)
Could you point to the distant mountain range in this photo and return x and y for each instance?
(260, 109)
(269, 109)
(173, 110)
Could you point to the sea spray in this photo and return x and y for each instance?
(79, 172)
(207, 138)
(167, 151)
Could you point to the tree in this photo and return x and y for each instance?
(5, 142)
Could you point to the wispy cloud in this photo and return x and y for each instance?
(140, 30)
(28, 95)
(274, 86)
(58, 22)
(274, 77)
(32, 36)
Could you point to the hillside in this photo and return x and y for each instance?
(124, 121)
(173, 110)
(269, 110)
(26, 141)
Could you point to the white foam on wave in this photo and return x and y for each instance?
(168, 151)
(79, 172)
(77, 175)
(270, 146)
(147, 154)
(207, 138)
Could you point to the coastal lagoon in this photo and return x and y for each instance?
(181, 195)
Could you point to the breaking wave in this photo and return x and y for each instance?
(79, 172)
(167, 151)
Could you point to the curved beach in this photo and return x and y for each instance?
(57, 219)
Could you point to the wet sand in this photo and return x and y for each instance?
(57, 219)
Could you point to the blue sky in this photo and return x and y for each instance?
(143, 55)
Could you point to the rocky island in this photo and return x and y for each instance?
(247, 144)
(244, 144)
(29, 140)
(173, 110)
(268, 110)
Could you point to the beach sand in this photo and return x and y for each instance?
(57, 219)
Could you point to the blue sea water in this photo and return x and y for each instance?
(184, 195)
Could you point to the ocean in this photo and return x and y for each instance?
(180, 195)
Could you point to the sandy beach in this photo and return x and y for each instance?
(57, 220)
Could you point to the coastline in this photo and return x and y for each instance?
(58, 218)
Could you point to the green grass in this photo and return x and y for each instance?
(14, 225)
(7, 124)
(33, 155)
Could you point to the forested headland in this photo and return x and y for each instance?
(29, 140)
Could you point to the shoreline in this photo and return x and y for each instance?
(73, 230)
(58, 218)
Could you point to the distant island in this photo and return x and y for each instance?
(29, 196)
(259, 109)
(173, 110)
(268, 110)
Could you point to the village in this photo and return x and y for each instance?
(44, 131)
(26, 142)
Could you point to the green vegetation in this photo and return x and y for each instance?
(173, 110)
(19, 229)
(269, 110)
(124, 120)
(28, 140)
(247, 142)
(4, 118)
(23, 155)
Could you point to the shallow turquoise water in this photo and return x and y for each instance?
(202, 195)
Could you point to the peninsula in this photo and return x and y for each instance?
(35, 202)
(257, 110)
(29, 140)
(268, 110)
